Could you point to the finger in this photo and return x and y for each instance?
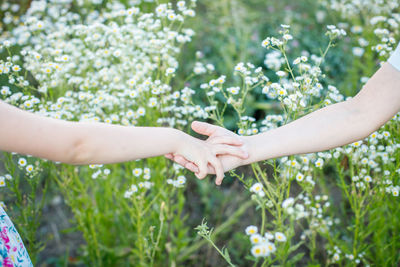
(185, 163)
(230, 150)
(191, 167)
(180, 160)
(169, 156)
(202, 173)
(228, 140)
(219, 170)
(203, 128)
(211, 169)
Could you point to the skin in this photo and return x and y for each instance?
(98, 143)
(332, 126)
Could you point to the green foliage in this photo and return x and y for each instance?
(345, 214)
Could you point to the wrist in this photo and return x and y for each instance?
(176, 139)
(259, 147)
(180, 141)
(249, 146)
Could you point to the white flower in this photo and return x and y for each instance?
(310, 180)
(133, 188)
(296, 61)
(368, 179)
(22, 162)
(282, 92)
(263, 250)
(336, 257)
(299, 177)
(280, 237)
(266, 42)
(2, 181)
(189, 12)
(152, 102)
(256, 239)
(137, 172)
(128, 194)
(5, 90)
(221, 80)
(257, 187)
(96, 174)
(269, 236)
(259, 251)
(287, 202)
(181, 4)
(287, 37)
(148, 185)
(270, 247)
(358, 51)
(251, 230)
(131, 83)
(39, 25)
(29, 168)
(169, 71)
(181, 180)
(281, 74)
(240, 67)
(334, 32)
(7, 43)
(386, 134)
(395, 191)
(141, 111)
(233, 90)
(16, 68)
(357, 144)
(171, 16)
(319, 163)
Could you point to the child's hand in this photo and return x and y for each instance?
(217, 136)
(201, 156)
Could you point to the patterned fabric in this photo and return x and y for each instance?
(12, 251)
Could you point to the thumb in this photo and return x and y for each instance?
(203, 128)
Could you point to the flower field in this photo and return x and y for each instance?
(250, 66)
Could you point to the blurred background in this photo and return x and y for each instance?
(227, 32)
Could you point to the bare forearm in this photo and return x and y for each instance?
(335, 125)
(81, 143)
(101, 143)
(321, 130)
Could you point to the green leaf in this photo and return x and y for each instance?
(295, 259)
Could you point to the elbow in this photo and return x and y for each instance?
(363, 118)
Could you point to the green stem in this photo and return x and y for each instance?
(221, 229)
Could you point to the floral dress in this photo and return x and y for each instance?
(12, 251)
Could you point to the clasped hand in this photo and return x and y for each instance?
(221, 152)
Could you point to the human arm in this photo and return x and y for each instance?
(93, 143)
(335, 125)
